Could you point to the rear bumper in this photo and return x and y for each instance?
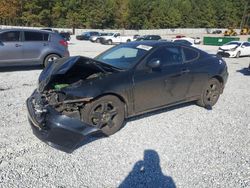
(55, 129)
(66, 54)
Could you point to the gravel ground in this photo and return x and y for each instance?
(184, 146)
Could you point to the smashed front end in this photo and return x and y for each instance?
(54, 109)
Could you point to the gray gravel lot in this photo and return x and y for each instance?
(184, 146)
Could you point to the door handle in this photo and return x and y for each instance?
(184, 71)
(18, 45)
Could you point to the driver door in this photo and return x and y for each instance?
(117, 38)
(166, 84)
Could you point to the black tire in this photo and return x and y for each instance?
(210, 93)
(128, 40)
(238, 54)
(110, 42)
(106, 113)
(50, 58)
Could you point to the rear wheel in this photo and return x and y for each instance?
(110, 42)
(210, 94)
(50, 58)
(106, 113)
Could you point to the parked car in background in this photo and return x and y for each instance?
(65, 35)
(235, 49)
(217, 31)
(184, 40)
(87, 35)
(180, 36)
(79, 96)
(197, 40)
(193, 40)
(116, 38)
(31, 47)
(148, 37)
(136, 36)
(97, 38)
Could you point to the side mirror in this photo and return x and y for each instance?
(154, 63)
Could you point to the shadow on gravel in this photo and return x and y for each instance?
(20, 68)
(148, 173)
(244, 71)
(100, 135)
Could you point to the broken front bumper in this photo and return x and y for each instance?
(227, 53)
(57, 130)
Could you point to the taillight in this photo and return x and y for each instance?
(63, 43)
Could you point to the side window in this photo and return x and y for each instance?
(33, 36)
(10, 36)
(246, 44)
(167, 55)
(190, 54)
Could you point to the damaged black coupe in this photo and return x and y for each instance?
(79, 96)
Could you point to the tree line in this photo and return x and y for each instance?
(127, 14)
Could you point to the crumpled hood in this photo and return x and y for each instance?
(61, 67)
(228, 47)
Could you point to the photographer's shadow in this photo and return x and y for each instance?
(148, 173)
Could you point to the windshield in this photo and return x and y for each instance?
(122, 56)
(110, 34)
(233, 43)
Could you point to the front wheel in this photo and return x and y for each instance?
(210, 94)
(238, 54)
(110, 42)
(106, 113)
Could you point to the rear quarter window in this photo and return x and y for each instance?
(190, 54)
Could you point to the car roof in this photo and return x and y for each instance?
(23, 29)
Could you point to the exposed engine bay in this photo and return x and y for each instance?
(72, 74)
